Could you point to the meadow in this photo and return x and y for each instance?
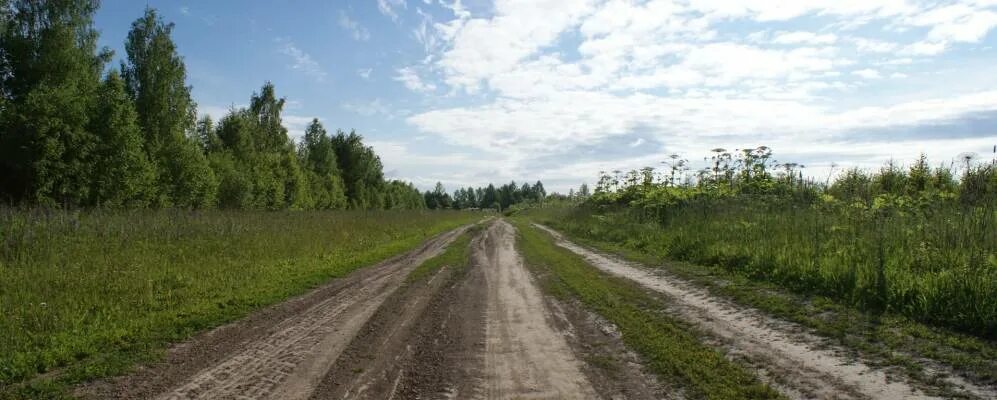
(88, 293)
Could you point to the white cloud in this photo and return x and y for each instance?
(301, 61)
(867, 73)
(873, 46)
(374, 107)
(365, 73)
(389, 7)
(518, 30)
(356, 30)
(410, 78)
(185, 10)
(800, 37)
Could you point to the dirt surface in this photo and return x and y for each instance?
(525, 357)
(478, 331)
(280, 352)
(797, 363)
(402, 351)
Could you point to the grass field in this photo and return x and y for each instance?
(90, 293)
(670, 347)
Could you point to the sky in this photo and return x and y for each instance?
(477, 91)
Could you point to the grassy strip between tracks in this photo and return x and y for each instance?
(88, 295)
(457, 256)
(669, 346)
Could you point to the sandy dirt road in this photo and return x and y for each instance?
(797, 363)
(524, 356)
(281, 352)
(483, 331)
(478, 331)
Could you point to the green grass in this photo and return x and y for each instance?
(456, 256)
(888, 338)
(670, 347)
(88, 294)
(937, 266)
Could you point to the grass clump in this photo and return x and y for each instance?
(91, 293)
(455, 255)
(670, 347)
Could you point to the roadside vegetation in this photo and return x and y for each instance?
(899, 264)
(87, 294)
(913, 241)
(672, 349)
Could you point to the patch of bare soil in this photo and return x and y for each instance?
(798, 363)
(280, 352)
(423, 342)
(615, 371)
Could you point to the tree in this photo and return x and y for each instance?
(361, 169)
(50, 72)
(156, 79)
(490, 197)
(319, 157)
(123, 175)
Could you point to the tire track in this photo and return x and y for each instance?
(285, 350)
(525, 357)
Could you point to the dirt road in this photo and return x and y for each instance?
(477, 331)
(524, 356)
(799, 364)
(280, 352)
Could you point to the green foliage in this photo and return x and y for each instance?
(362, 172)
(500, 198)
(123, 175)
(672, 349)
(156, 78)
(50, 74)
(887, 339)
(906, 240)
(91, 292)
(318, 155)
(457, 255)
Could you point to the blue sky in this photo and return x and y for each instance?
(477, 91)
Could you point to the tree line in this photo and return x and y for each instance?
(75, 132)
(500, 198)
